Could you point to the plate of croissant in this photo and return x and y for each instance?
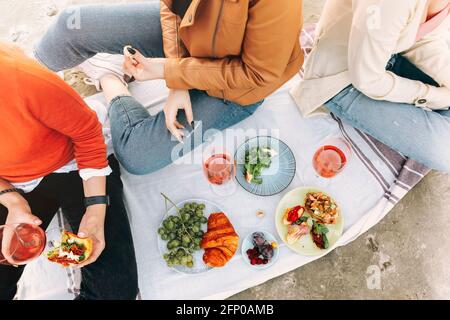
(219, 241)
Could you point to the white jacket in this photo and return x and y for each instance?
(355, 40)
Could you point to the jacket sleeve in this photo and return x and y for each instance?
(59, 107)
(371, 45)
(170, 22)
(270, 37)
(432, 56)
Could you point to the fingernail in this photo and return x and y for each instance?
(37, 221)
(81, 234)
(127, 78)
(131, 50)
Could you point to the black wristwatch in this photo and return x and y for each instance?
(90, 201)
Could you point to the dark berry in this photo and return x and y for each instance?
(267, 252)
(258, 239)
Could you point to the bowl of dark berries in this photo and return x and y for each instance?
(260, 249)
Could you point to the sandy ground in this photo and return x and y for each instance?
(410, 246)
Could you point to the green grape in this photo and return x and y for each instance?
(190, 258)
(161, 231)
(195, 229)
(166, 256)
(180, 253)
(204, 220)
(202, 206)
(189, 264)
(176, 219)
(200, 234)
(164, 237)
(172, 235)
(183, 260)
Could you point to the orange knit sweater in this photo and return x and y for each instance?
(44, 124)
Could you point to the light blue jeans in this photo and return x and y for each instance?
(418, 134)
(141, 142)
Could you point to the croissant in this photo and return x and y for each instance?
(220, 241)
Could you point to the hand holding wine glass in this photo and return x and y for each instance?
(19, 213)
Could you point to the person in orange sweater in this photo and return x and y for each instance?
(53, 155)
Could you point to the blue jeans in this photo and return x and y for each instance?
(141, 142)
(418, 134)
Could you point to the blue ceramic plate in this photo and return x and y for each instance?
(277, 177)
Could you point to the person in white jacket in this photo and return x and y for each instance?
(383, 66)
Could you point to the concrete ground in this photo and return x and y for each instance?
(404, 257)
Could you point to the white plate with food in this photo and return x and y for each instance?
(180, 234)
(309, 221)
(197, 237)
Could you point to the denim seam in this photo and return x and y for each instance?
(118, 100)
(348, 115)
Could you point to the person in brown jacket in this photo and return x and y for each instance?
(219, 58)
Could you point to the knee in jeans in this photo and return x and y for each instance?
(135, 165)
(67, 24)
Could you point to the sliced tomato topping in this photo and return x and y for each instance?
(293, 214)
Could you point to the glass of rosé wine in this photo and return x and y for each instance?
(21, 243)
(219, 167)
(330, 159)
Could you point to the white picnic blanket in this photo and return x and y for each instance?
(374, 181)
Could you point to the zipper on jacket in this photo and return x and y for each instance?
(217, 29)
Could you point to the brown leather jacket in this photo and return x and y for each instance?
(237, 50)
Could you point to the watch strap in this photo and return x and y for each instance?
(20, 191)
(90, 201)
